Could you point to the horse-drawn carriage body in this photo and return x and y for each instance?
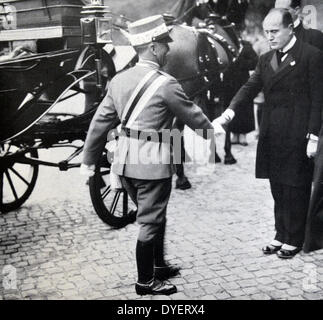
(30, 78)
(57, 68)
(31, 86)
(49, 32)
(43, 26)
(22, 14)
(33, 126)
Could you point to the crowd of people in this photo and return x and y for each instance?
(286, 85)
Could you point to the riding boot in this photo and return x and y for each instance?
(159, 248)
(145, 261)
(147, 284)
(163, 271)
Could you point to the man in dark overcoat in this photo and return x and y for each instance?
(314, 224)
(290, 76)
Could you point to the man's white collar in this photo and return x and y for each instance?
(297, 22)
(290, 44)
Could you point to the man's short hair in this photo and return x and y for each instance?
(295, 3)
(141, 49)
(287, 18)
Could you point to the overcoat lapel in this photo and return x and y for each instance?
(286, 66)
(274, 62)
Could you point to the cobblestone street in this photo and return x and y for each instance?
(60, 249)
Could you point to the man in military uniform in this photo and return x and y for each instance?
(148, 184)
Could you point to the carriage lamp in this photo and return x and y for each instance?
(104, 30)
(96, 25)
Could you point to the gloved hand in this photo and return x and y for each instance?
(218, 128)
(200, 2)
(226, 117)
(311, 149)
(86, 170)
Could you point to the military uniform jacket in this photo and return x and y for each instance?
(294, 98)
(158, 115)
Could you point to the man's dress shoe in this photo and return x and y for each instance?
(270, 249)
(288, 254)
(156, 287)
(166, 272)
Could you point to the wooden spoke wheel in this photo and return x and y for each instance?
(17, 180)
(113, 207)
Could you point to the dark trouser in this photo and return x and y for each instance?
(291, 206)
(151, 198)
(260, 107)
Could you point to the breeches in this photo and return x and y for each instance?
(291, 206)
(151, 198)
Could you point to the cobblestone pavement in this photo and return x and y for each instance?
(60, 249)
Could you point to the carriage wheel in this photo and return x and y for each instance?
(111, 206)
(17, 180)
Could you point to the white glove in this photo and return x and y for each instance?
(311, 149)
(218, 128)
(86, 170)
(226, 117)
(200, 2)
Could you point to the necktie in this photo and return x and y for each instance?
(280, 55)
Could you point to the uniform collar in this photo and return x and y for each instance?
(148, 63)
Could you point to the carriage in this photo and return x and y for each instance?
(32, 86)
